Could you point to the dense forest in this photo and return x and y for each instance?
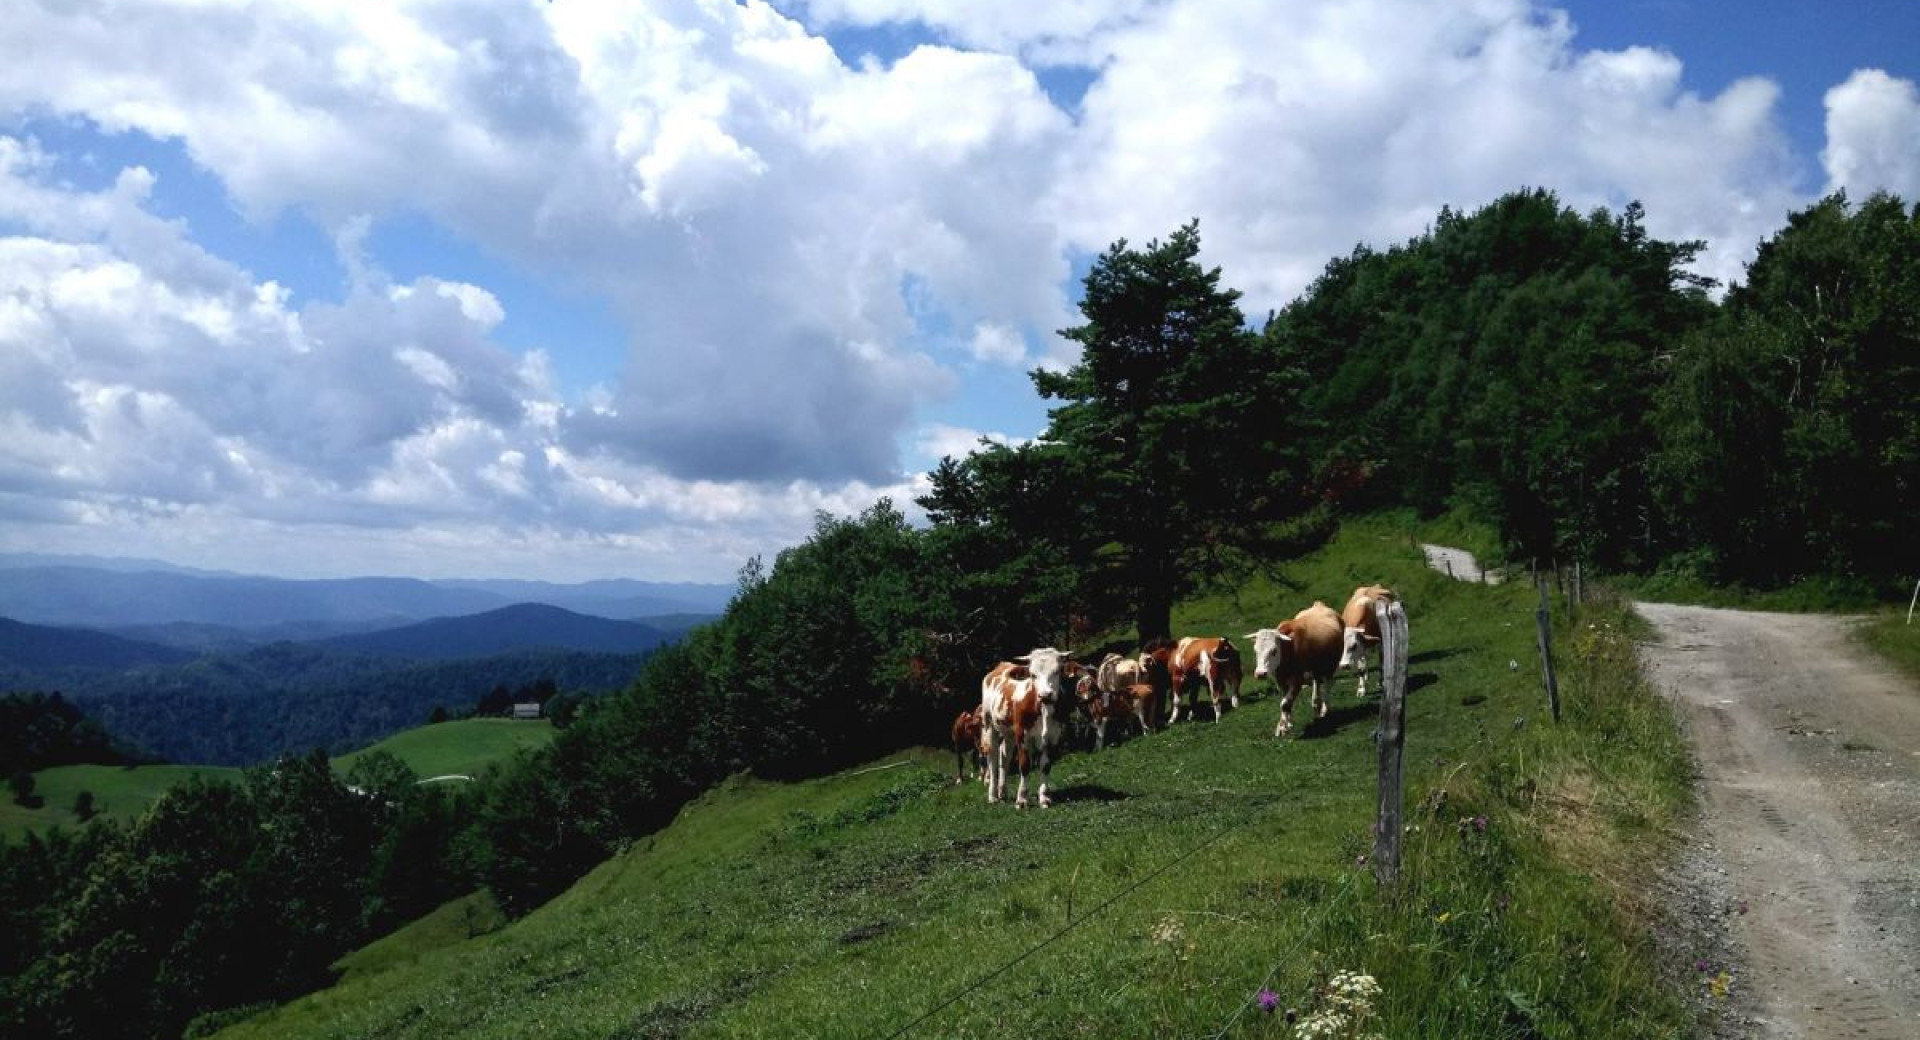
(1559, 373)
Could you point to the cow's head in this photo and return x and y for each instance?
(1354, 647)
(1270, 647)
(1045, 665)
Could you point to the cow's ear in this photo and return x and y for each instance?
(1252, 635)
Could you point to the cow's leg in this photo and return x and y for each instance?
(1100, 733)
(996, 768)
(1046, 775)
(1213, 690)
(1020, 797)
(1287, 694)
(1319, 698)
(1173, 697)
(1361, 692)
(1235, 686)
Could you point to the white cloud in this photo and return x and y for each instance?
(938, 440)
(1873, 135)
(1298, 129)
(805, 252)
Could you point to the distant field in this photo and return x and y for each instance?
(119, 792)
(465, 746)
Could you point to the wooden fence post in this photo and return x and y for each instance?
(1546, 652)
(1390, 738)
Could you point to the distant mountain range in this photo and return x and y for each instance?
(212, 668)
(116, 594)
(244, 706)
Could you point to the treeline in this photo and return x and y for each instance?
(221, 897)
(1557, 372)
(1564, 376)
(244, 708)
(42, 730)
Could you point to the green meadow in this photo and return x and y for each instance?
(465, 746)
(1176, 876)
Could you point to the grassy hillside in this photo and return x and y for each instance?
(1182, 872)
(1890, 636)
(464, 746)
(119, 792)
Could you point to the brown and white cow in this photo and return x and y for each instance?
(1106, 695)
(1303, 648)
(1362, 630)
(967, 744)
(1024, 715)
(1211, 659)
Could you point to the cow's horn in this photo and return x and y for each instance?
(1022, 658)
(1284, 636)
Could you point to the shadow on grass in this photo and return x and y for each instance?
(1088, 793)
(1440, 654)
(1340, 718)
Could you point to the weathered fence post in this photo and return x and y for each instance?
(1391, 738)
(1546, 652)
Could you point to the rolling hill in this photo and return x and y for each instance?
(523, 626)
(112, 596)
(43, 646)
(464, 746)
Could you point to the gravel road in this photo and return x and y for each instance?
(1808, 856)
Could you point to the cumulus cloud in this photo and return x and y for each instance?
(155, 399)
(1306, 128)
(1873, 135)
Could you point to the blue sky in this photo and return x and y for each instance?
(567, 290)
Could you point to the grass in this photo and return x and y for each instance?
(1891, 637)
(1823, 595)
(455, 922)
(119, 793)
(464, 746)
(1194, 866)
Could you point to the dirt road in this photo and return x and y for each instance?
(1809, 753)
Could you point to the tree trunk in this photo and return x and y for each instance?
(1154, 615)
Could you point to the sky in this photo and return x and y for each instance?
(573, 290)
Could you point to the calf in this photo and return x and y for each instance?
(1304, 648)
(1213, 660)
(1362, 630)
(967, 744)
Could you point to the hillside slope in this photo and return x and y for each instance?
(1186, 866)
(44, 646)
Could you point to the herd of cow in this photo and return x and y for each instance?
(1026, 704)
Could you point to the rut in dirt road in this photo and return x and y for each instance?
(1809, 754)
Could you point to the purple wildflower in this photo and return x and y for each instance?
(1268, 1000)
(1700, 965)
(1480, 824)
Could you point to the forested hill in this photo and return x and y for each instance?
(244, 708)
(524, 626)
(40, 646)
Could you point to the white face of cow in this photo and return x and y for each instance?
(1044, 665)
(1268, 644)
(1353, 648)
